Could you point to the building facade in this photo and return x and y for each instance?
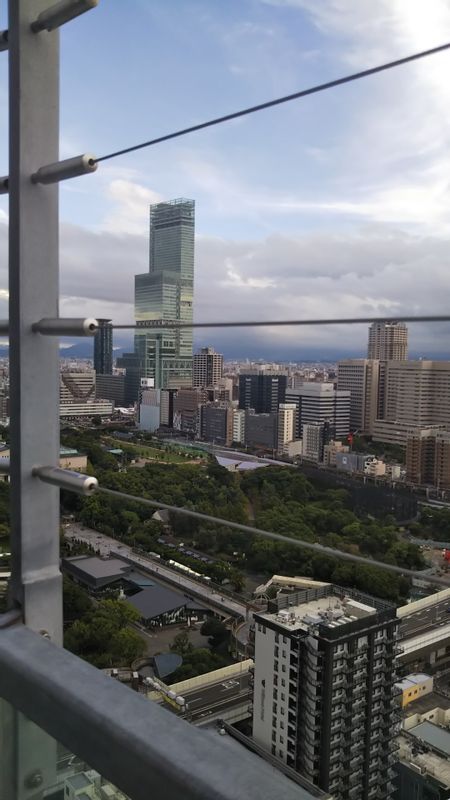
(187, 410)
(103, 348)
(323, 704)
(286, 424)
(388, 341)
(321, 403)
(262, 391)
(428, 457)
(165, 294)
(77, 396)
(360, 377)
(217, 423)
(207, 368)
(238, 426)
(417, 395)
(261, 430)
(111, 387)
(313, 444)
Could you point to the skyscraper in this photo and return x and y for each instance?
(208, 367)
(360, 376)
(388, 341)
(165, 294)
(103, 348)
(322, 703)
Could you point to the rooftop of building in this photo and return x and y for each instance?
(156, 600)
(414, 679)
(433, 736)
(317, 607)
(426, 703)
(97, 567)
(422, 759)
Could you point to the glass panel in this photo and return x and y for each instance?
(34, 766)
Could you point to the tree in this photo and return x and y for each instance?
(216, 630)
(238, 580)
(181, 644)
(76, 601)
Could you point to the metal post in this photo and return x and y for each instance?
(36, 584)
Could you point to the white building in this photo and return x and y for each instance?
(286, 424)
(321, 403)
(238, 426)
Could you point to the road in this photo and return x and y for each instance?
(421, 621)
(207, 700)
(109, 546)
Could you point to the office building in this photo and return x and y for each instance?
(360, 377)
(238, 426)
(262, 391)
(417, 395)
(187, 408)
(313, 444)
(261, 430)
(103, 348)
(286, 424)
(77, 396)
(321, 403)
(150, 410)
(111, 387)
(165, 294)
(207, 368)
(217, 423)
(166, 410)
(322, 704)
(388, 341)
(353, 462)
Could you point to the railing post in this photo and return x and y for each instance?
(36, 584)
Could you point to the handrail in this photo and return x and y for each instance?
(136, 744)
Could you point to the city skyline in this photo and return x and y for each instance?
(313, 227)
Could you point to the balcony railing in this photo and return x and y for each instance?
(137, 745)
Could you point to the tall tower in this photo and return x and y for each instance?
(388, 341)
(165, 293)
(103, 348)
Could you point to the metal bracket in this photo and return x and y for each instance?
(66, 479)
(62, 170)
(61, 12)
(66, 327)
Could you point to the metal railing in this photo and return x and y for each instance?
(140, 747)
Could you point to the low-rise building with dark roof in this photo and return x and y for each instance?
(95, 573)
(160, 606)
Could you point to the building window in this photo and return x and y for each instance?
(280, 752)
(282, 711)
(275, 680)
(283, 682)
(277, 637)
(274, 736)
(275, 666)
(263, 628)
(283, 696)
(284, 640)
(283, 668)
(277, 652)
(281, 739)
(275, 694)
(274, 750)
(284, 653)
(282, 725)
(274, 708)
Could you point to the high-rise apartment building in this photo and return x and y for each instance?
(165, 294)
(286, 424)
(262, 391)
(388, 341)
(261, 430)
(360, 377)
(313, 442)
(103, 348)
(323, 704)
(239, 425)
(428, 457)
(187, 410)
(417, 395)
(207, 367)
(321, 403)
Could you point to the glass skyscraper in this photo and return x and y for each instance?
(165, 293)
(103, 348)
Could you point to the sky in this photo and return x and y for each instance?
(336, 205)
